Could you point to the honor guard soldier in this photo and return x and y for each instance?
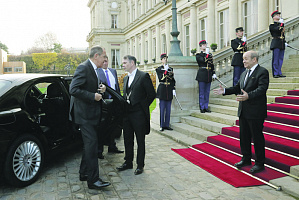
(204, 75)
(278, 44)
(165, 92)
(239, 47)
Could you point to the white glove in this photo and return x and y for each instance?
(214, 76)
(281, 20)
(286, 44)
(244, 39)
(207, 50)
(173, 92)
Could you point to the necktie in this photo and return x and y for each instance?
(247, 76)
(107, 77)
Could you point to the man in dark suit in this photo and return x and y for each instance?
(109, 77)
(139, 92)
(85, 110)
(239, 47)
(277, 44)
(251, 94)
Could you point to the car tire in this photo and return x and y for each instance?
(24, 161)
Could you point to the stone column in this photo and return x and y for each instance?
(136, 9)
(131, 46)
(211, 28)
(158, 41)
(131, 11)
(179, 21)
(126, 14)
(136, 48)
(193, 27)
(142, 48)
(150, 4)
(263, 15)
(167, 34)
(233, 18)
(142, 7)
(150, 46)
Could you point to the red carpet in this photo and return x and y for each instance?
(281, 134)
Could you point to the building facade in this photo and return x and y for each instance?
(10, 67)
(142, 27)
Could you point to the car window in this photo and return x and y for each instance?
(4, 86)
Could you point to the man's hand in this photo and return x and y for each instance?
(281, 20)
(219, 90)
(97, 97)
(242, 97)
(214, 76)
(286, 44)
(173, 92)
(244, 38)
(102, 88)
(207, 50)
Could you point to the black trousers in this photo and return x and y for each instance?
(252, 128)
(134, 122)
(89, 164)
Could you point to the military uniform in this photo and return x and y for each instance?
(239, 47)
(165, 92)
(277, 46)
(204, 78)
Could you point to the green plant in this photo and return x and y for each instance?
(145, 61)
(138, 63)
(193, 50)
(213, 45)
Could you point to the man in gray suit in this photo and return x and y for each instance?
(139, 92)
(109, 77)
(251, 92)
(85, 110)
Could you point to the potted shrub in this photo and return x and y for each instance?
(193, 51)
(145, 61)
(213, 46)
(154, 60)
(138, 63)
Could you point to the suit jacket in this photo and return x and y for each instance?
(206, 67)
(239, 47)
(103, 79)
(256, 87)
(277, 32)
(167, 83)
(142, 93)
(83, 108)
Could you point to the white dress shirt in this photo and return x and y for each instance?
(131, 77)
(94, 67)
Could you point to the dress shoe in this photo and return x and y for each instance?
(124, 167)
(168, 128)
(83, 177)
(138, 171)
(276, 76)
(114, 150)
(207, 110)
(242, 163)
(257, 168)
(98, 184)
(282, 76)
(100, 156)
(202, 110)
(161, 129)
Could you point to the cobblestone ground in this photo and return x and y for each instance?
(166, 176)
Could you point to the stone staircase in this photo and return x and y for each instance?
(196, 127)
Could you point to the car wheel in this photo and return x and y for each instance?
(24, 161)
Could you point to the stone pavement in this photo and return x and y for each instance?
(166, 176)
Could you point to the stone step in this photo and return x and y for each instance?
(271, 99)
(176, 136)
(291, 67)
(284, 80)
(276, 92)
(284, 86)
(192, 131)
(211, 126)
(224, 102)
(291, 74)
(293, 57)
(227, 110)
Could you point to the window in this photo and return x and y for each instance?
(113, 21)
(250, 19)
(187, 41)
(115, 61)
(7, 69)
(154, 48)
(203, 32)
(18, 69)
(276, 4)
(223, 29)
(164, 48)
(146, 51)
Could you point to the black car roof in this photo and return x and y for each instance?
(26, 77)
